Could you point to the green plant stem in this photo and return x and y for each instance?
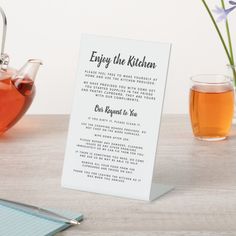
(230, 45)
(218, 31)
(228, 34)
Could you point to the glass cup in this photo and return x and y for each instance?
(232, 74)
(211, 106)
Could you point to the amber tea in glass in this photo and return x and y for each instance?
(211, 106)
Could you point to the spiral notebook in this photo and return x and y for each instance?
(15, 222)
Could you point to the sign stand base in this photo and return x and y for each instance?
(158, 190)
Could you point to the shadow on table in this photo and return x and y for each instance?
(19, 131)
(199, 164)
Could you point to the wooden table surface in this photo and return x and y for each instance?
(203, 173)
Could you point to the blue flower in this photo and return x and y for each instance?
(223, 13)
(232, 2)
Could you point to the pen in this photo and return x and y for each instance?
(34, 210)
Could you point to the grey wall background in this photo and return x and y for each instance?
(51, 29)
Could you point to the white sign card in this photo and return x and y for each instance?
(116, 116)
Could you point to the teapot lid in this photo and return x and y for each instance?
(4, 58)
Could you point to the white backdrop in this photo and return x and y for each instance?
(51, 29)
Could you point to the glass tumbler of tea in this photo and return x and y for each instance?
(211, 106)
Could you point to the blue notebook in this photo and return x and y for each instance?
(19, 223)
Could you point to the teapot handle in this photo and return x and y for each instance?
(4, 59)
(4, 31)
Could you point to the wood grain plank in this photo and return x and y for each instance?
(204, 173)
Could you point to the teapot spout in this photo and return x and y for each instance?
(29, 70)
(23, 80)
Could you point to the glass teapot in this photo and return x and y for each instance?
(17, 89)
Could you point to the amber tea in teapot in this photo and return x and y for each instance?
(16, 94)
